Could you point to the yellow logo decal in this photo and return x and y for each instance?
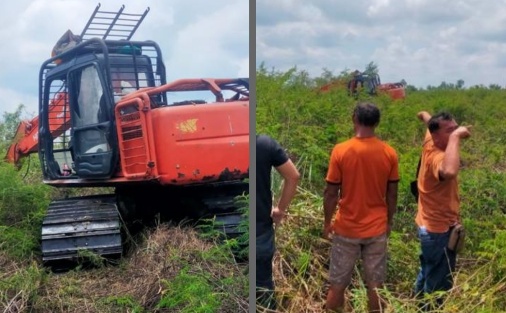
(188, 126)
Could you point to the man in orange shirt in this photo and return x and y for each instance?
(438, 202)
(362, 181)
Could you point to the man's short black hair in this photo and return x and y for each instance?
(434, 121)
(367, 114)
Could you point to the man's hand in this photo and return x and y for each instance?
(463, 132)
(424, 116)
(291, 177)
(277, 215)
(327, 230)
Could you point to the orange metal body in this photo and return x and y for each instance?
(200, 143)
(174, 145)
(193, 143)
(341, 84)
(395, 91)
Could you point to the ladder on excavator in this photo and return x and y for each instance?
(112, 25)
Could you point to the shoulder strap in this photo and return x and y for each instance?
(418, 168)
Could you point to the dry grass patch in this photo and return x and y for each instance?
(142, 282)
(302, 260)
(19, 282)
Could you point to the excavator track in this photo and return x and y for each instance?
(226, 215)
(221, 205)
(195, 204)
(86, 223)
(226, 211)
(93, 223)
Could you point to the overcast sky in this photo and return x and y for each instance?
(198, 38)
(424, 42)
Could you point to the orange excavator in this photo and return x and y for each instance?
(108, 118)
(371, 83)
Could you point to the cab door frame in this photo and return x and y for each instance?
(94, 141)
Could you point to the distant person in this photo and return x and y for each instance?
(438, 202)
(66, 170)
(270, 154)
(362, 183)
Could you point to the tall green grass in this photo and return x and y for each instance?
(308, 124)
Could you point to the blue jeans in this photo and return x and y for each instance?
(265, 249)
(437, 263)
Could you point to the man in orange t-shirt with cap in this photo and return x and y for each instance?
(438, 202)
(362, 181)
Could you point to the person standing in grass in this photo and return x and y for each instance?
(270, 154)
(362, 183)
(438, 201)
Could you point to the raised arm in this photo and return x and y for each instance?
(424, 116)
(291, 177)
(451, 161)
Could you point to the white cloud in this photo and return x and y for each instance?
(197, 39)
(243, 67)
(12, 99)
(377, 6)
(415, 40)
(206, 47)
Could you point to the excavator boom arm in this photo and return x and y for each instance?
(26, 139)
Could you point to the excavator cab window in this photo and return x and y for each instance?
(130, 73)
(91, 123)
(124, 83)
(90, 108)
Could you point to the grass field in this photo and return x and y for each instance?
(308, 124)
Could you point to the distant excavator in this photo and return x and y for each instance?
(370, 83)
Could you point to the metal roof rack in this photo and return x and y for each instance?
(112, 25)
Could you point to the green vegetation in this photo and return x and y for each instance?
(309, 123)
(189, 293)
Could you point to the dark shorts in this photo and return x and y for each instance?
(347, 251)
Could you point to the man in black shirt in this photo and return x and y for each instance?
(270, 154)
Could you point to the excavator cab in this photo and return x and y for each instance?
(78, 91)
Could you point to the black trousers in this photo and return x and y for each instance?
(264, 282)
